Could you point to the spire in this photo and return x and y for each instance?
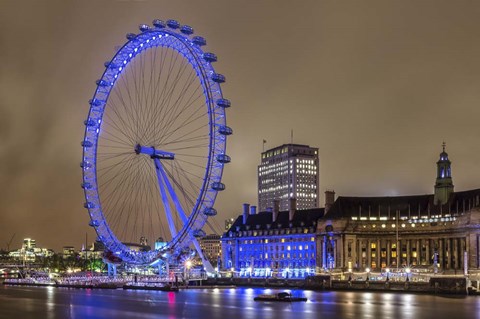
(443, 183)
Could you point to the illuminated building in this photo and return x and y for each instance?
(228, 223)
(439, 232)
(95, 251)
(288, 171)
(272, 243)
(29, 243)
(160, 243)
(68, 252)
(211, 248)
(30, 252)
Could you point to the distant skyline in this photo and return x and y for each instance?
(376, 86)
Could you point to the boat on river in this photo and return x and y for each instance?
(151, 287)
(281, 296)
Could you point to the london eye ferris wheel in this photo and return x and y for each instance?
(154, 144)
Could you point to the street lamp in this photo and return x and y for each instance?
(188, 264)
(388, 273)
(368, 273)
(407, 271)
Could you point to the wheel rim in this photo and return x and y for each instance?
(159, 91)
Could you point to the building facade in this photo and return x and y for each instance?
(30, 252)
(288, 171)
(272, 243)
(211, 248)
(228, 223)
(439, 232)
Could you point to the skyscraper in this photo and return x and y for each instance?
(288, 171)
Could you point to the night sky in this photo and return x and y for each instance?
(377, 86)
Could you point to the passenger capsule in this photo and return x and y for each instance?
(110, 65)
(86, 144)
(186, 29)
(85, 165)
(200, 41)
(144, 27)
(223, 158)
(199, 233)
(131, 36)
(95, 102)
(210, 211)
(173, 24)
(86, 185)
(102, 83)
(223, 103)
(89, 205)
(94, 223)
(217, 77)
(90, 122)
(210, 57)
(218, 186)
(225, 130)
(158, 24)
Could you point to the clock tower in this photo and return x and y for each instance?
(443, 183)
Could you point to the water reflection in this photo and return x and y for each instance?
(50, 302)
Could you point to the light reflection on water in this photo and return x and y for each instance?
(36, 302)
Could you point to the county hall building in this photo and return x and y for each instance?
(272, 243)
(436, 232)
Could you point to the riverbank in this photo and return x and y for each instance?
(111, 285)
(436, 285)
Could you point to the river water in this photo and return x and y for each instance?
(50, 302)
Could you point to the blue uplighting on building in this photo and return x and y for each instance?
(272, 243)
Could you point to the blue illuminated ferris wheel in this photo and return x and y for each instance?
(154, 145)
